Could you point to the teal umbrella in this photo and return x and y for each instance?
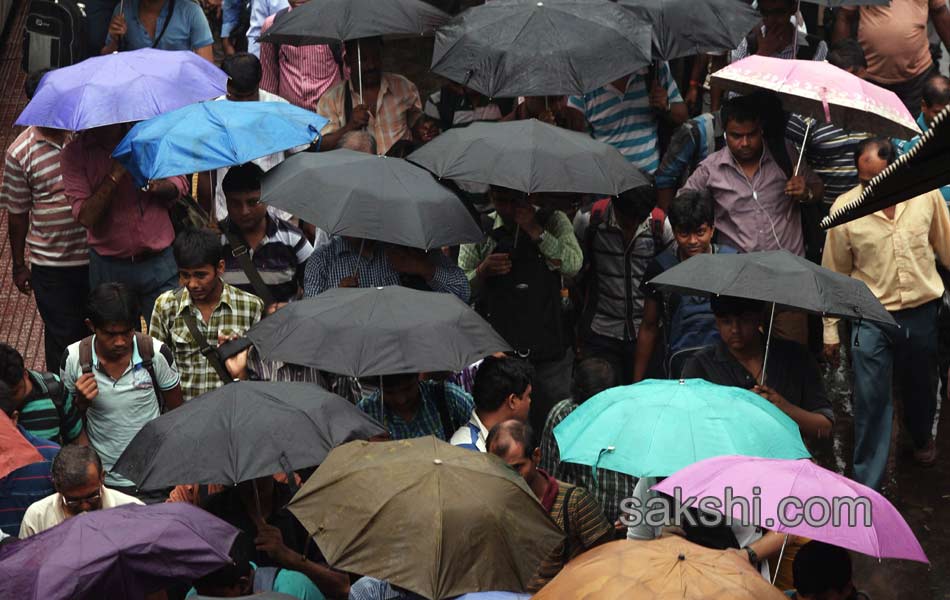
(657, 427)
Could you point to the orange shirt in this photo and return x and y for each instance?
(894, 39)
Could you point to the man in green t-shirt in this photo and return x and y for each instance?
(44, 406)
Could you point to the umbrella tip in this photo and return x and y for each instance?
(682, 382)
(437, 461)
(681, 557)
(611, 448)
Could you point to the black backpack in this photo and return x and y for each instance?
(54, 36)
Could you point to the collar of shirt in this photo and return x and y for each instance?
(37, 133)
(184, 300)
(135, 359)
(726, 159)
(550, 494)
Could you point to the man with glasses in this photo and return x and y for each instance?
(79, 481)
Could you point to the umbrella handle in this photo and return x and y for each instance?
(801, 153)
(778, 564)
(768, 340)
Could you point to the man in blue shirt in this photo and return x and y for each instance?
(936, 97)
(409, 408)
(162, 24)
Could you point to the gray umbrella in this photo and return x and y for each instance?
(529, 156)
(529, 48)
(367, 196)
(242, 431)
(364, 332)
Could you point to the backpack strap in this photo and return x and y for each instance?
(240, 251)
(264, 579)
(147, 353)
(85, 355)
(52, 388)
(211, 354)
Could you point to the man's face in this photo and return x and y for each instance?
(23, 387)
(401, 393)
(775, 13)
(114, 340)
(505, 202)
(744, 139)
(522, 405)
(426, 130)
(931, 112)
(516, 459)
(696, 241)
(85, 497)
(246, 210)
(202, 281)
(739, 331)
(870, 165)
(369, 54)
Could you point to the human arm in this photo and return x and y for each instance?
(117, 29)
(17, 226)
(359, 119)
(479, 263)
(330, 582)
(812, 424)
(166, 373)
(555, 239)
(70, 427)
(697, 76)
(940, 17)
(588, 521)
(315, 273)
(206, 52)
(845, 21)
(665, 97)
(270, 67)
(201, 40)
(676, 160)
(699, 180)
(17, 198)
(646, 337)
(836, 257)
(92, 210)
(766, 547)
(940, 229)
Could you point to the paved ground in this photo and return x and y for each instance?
(923, 496)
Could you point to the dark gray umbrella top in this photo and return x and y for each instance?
(242, 431)
(779, 277)
(377, 331)
(329, 21)
(368, 196)
(529, 156)
(510, 48)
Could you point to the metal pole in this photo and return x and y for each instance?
(768, 340)
(359, 69)
(257, 501)
(801, 153)
(359, 260)
(778, 565)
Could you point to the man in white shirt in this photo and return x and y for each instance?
(502, 391)
(79, 481)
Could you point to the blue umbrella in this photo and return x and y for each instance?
(122, 88)
(211, 135)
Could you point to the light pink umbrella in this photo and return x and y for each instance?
(788, 489)
(823, 91)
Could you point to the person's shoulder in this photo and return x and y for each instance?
(35, 512)
(189, 8)
(115, 498)
(168, 300)
(397, 80)
(846, 197)
(559, 412)
(239, 296)
(20, 142)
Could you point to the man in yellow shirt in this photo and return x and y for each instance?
(893, 251)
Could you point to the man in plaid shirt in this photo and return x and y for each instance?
(219, 309)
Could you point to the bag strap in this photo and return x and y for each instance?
(211, 354)
(85, 355)
(657, 223)
(147, 354)
(566, 519)
(239, 250)
(264, 579)
(171, 12)
(52, 388)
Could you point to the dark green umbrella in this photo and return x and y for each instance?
(365, 332)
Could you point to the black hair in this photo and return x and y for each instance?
(242, 178)
(591, 377)
(196, 248)
(936, 91)
(636, 203)
(244, 71)
(885, 149)
(847, 54)
(727, 306)
(690, 210)
(498, 378)
(6, 400)
(231, 573)
(508, 432)
(820, 568)
(11, 365)
(33, 82)
(112, 302)
(741, 109)
(70, 466)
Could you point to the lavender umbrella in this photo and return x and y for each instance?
(118, 553)
(122, 87)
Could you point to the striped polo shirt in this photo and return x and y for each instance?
(829, 152)
(39, 414)
(33, 183)
(625, 120)
(26, 485)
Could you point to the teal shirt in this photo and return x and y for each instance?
(292, 583)
(904, 145)
(39, 414)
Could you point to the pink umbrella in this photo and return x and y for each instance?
(800, 498)
(823, 91)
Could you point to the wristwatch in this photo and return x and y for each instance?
(753, 557)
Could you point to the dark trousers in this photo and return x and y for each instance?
(619, 353)
(882, 355)
(147, 279)
(98, 15)
(911, 92)
(60, 294)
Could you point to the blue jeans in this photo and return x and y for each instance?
(882, 355)
(147, 279)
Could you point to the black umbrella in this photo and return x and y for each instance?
(243, 431)
(687, 27)
(377, 331)
(529, 156)
(530, 48)
(368, 196)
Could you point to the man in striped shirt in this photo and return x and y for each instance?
(40, 216)
(626, 112)
(42, 404)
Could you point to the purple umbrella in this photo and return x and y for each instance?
(121, 553)
(122, 87)
(789, 491)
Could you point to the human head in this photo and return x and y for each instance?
(200, 266)
(78, 477)
(113, 316)
(503, 386)
(505, 201)
(33, 82)
(242, 190)
(7, 405)
(401, 392)
(935, 98)
(359, 140)
(872, 156)
(738, 320)
(848, 55)
(692, 218)
(14, 373)
(425, 129)
(365, 55)
(591, 377)
(776, 13)
(513, 442)
(742, 128)
(822, 572)
(233, 579)
(634, 205)
(244, 77)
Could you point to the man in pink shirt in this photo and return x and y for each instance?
(128, 229)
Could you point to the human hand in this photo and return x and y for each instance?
(117, 27)
(771, 395)
(359, 118)
(796, 188)
(86, 390)
(272, 308)
(270, 541)
(498, 263)
(659, 100)
(692, 97)
(21, 278)
(350, 281)
(526, 218)
(831, 354)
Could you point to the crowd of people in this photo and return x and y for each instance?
(139, 289)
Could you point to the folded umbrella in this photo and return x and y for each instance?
(15, 451)
(529, 48)
(665, 568)
(121, 88)
(242, 431)
(529, 156)
(657, 427)
(367, 196)
(116, 554)
(364, 332)
(451, 521)
(210, 135)
(870, 525)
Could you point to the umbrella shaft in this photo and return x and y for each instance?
(768, 341)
